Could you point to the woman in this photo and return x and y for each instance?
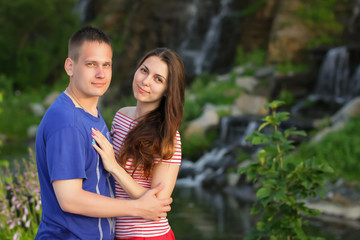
(146, 140)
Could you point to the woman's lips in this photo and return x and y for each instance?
(142, 90)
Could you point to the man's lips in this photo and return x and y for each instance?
(98, 84)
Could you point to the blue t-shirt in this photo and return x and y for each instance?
(64, 151)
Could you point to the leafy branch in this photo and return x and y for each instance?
(283, 186)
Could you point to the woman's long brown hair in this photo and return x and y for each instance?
(154, 135)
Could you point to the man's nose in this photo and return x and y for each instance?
(100, 73)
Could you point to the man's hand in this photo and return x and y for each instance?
(151, 207)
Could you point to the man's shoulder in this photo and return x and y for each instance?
(59, 115)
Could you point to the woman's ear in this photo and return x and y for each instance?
(69, 63)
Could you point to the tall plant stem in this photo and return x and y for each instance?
(277, 144)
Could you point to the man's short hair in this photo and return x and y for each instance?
(89, 34)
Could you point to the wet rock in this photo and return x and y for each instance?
(246, 83)
(249, 104)
(264, 72)
(351, 109)
(208, 119)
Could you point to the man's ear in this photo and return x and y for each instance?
(69, 63)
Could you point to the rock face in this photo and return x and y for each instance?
(289, 36)
(205, 33)
(139, 26)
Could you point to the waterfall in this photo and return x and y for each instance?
(200, 51)
(213, 164)
(82, 7)
(336, 81)
(355, 16)
(210, 45)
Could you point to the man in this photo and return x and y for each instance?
(76, 191)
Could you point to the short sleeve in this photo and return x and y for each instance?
(66, 156)
(176, 158)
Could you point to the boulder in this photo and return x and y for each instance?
(208, 119)
(249, 104)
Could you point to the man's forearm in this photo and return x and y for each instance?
(95, 205)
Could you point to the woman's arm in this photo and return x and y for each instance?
(166, 174)
(162, 173)
(106, 151)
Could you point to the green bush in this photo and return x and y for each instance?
(339, 149)
(281, 185)
(196, 145)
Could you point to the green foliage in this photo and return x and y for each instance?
(192, 109)
(207, 89)
(253, 8)
(19, 199)
(339, 149)
(17, 115)
(287, 97)
(33, 43)
(320, 17)
(1, 109)
(291, 68)
(251, 61)
(282, 185)
(196, 144)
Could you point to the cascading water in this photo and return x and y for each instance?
(336, 82)
(213, 164)
(199, 51)
(338, 79)
(82, 7)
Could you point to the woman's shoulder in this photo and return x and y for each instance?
(127, 111)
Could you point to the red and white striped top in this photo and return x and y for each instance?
(134, 226)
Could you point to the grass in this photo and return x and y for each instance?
(339, 149)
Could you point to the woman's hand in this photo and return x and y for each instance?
(105, 149)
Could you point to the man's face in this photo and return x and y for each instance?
(90, 75)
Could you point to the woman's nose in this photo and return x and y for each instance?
(146, 80)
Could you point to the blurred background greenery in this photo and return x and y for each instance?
(290, 36)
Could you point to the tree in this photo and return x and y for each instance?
(33, 39)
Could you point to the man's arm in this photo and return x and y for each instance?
(72, 198)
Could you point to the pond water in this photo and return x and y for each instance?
(198, 214)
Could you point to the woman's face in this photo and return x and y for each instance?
(150, 81)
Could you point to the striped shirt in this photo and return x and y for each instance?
(135, 226)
